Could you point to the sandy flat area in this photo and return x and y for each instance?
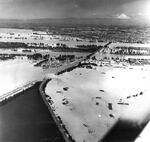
(90, 101)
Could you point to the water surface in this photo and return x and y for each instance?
(27, 119)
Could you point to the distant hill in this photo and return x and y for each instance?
(95, 21)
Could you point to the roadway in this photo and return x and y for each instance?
(76, 63)
(72, 65)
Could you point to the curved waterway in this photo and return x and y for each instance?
(27, 119)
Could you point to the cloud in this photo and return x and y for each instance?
(68, 8)
(123, 16)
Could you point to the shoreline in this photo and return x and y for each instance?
(65, 135)
(57, 120)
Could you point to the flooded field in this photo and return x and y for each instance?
(37, 37)
(17, 72)
(20, 70)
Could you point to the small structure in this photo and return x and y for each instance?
(110, 106)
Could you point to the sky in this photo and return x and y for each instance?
(33, 9)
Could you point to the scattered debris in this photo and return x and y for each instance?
(90, 131)
(60, 92)
(97, 103)
(120, 100)
(65, 101)
(121, 103)
(50, 101)
(98, 97)
(111, 115)
(126, 104)
(71, 109)
(85, 125)
(46, 96)
(103, 73)
(102, 90)
(110, 106)
(141, 93)
(65, 88)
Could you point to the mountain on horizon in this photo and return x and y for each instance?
(71, 20)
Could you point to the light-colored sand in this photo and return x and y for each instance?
(87, 115)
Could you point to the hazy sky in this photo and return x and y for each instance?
(27, 9)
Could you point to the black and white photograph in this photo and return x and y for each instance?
(74, 70)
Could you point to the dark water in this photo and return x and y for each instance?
(27, 119)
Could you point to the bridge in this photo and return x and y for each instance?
(16, 91)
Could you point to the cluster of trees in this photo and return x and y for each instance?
(38, 56)
(12, 45)
(89, 48)
(65, 57)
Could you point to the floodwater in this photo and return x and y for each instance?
(27, 119)
(28, 36)
(16, 73)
